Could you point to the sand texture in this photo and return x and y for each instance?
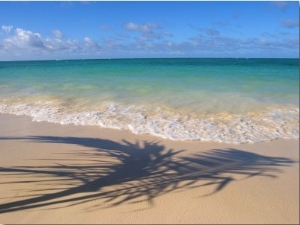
(55, 174)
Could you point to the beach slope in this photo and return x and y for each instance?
(52, 173)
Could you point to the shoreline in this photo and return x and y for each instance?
(220, 127)
(53, 173)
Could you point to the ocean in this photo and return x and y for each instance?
(223, 100)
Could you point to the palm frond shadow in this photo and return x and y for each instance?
(126, 172)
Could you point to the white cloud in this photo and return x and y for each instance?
(148, 31)
(89, 43)
(27, 44)
(25, 39)
(58, 46)
(58, 34)
(148, 27)
(131, 26)
(6, 29)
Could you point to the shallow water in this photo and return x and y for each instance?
(226, 100)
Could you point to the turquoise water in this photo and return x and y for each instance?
(226, 100)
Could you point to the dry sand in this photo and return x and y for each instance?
(54, 174)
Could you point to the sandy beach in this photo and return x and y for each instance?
(55, 174)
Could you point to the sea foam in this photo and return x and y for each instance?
(220, 127)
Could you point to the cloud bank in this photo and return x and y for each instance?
(144, 40)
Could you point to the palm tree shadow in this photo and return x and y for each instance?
(126, 172)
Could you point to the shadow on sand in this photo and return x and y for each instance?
(117, 173)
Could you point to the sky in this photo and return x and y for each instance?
(148, 29)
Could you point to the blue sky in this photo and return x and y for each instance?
(132, 29)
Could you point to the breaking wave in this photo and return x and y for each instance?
(166, 122)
